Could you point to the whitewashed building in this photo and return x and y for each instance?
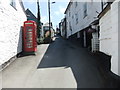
(79, 16)
(12, 16)
(62, 27)
(109, 34)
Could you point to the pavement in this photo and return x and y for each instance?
(58, 65)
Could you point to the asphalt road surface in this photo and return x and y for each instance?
(58, 65)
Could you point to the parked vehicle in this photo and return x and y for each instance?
(47, 34)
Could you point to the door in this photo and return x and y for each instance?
(29, 33)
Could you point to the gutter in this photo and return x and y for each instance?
(68, 6)
(103, 12)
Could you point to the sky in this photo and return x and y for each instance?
(57, 9)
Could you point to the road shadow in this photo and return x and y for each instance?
(63, 53)
(53, 56)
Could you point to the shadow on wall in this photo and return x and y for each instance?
(19, 50)
(20, 43)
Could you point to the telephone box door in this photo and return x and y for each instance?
(29, 36)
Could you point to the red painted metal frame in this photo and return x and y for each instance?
(29, 36)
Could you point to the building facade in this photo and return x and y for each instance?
(12, 16)
(79, 16)
(62, 27)
(109, 34)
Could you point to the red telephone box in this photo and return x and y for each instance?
(29, 36)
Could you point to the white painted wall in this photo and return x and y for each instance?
(109, 29)
(68, 21)
(119, 38)
(11, 21)
(115, 29)
(106, 33)
(92, 7)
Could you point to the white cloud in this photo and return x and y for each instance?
(57, 13)
(60, 11)
(44, 19)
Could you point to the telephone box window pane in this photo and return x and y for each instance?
(28, 40)
(29, 36)
(28, 23)
(29, 29)
(29, 33)
(29, 46)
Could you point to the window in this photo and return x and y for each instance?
(70, 27)
(69, 13)
(72, 16)
(76, 4)
(76, 16)
(104, 3)
(13, 3)
(85, 9)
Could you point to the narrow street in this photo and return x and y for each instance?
(58, 65)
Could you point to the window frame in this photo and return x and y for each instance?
(69, 13)
(72, 16)
(76, 4)
(76, 18)
(13, 4)
(85, 10)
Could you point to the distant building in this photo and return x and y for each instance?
(12, 16)
(62, 27)
(30, 15)
(47, 24)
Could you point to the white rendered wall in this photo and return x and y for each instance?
(119, 38)
(115, 30)
(93, 9)
(11, 21)
(109, 30)
(105, 33)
